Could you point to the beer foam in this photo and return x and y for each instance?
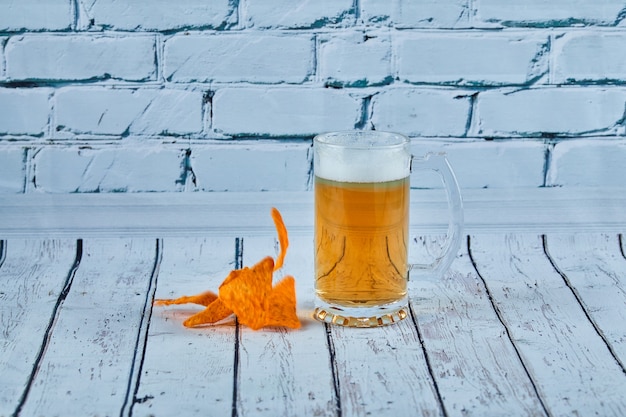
(362, 164)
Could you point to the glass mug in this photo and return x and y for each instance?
(362, 184)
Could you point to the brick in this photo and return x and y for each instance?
(466, 58)
(596, 56)
(421, 112)
(593, 162)
(12, 169)
(102, 111)
(255, 166)
(356, 59)
(484, 164)
(20, 15)
(239, 58)
(283, 111)
(548, 13)
(111, 169)
(3, 41)
(159, 15)
(24, 111)
(416, 13)
(80, 57)
(552, 111)
(297, 13)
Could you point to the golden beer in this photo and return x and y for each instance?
(361, 232)
(361, 228)
(362, 225)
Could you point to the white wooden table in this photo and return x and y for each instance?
(529, 320)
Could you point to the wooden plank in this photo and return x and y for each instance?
(383, 371)
(284, 372)
(594, 266)
(188, 371)
(475, 365)
(569, 363)
(32, 277)
(88, 364)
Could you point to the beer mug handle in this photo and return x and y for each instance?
(439, 164)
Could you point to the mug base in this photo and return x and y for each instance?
(359, 316)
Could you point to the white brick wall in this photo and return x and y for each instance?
(12, 169)
(81, 57)
(24, 111)
(236, 57)
(127, 111)
(107, 169)
(155, 95)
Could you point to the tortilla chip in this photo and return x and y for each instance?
(203, 299)
(282, 305)
(248, 293)
(283, 238)
(214, 312)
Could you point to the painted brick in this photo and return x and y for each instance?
(12, 169)
(484, 164)
(283, 111)
(554, 111)
(93, 110)
(35, 15)
(81, 57)
(239, 57)
(3, 41)
(420, 112)
(552, 13)
(110, 169)
(467, 58)
(252, 166)
(24, 111)
(596, 56)
(157, 15)
(416, 13)
(593, 162)
(296, 13)
(356, 59)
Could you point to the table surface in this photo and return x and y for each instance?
(523, 323)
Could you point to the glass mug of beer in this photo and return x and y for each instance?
(362, 225)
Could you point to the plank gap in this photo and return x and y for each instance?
(334, 371)
(67, 285)
(506, 328)
(429, 366)
(238, 265)
(580, 302)
(3, 252)
(142, 333)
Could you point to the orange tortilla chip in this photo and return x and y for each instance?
(248, 293)
(283, 238)
(214, 312)
(203, 299)
(282, 304)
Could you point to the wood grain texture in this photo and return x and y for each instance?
(285, 372)
(595, 268)
(188, 371)
(473, 361)
(567, 360)
(32, 279)
(87, 366)
(383, 371)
